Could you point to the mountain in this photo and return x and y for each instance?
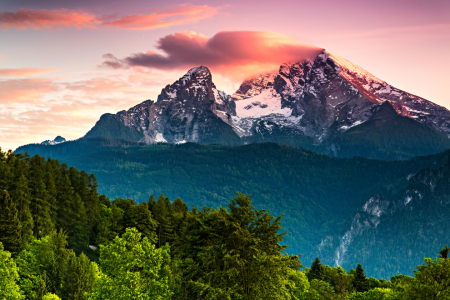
(395, 232)
(191, 109)
(58, 140)
(328, 105)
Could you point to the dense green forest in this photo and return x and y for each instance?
(315, 193)
(61, 239)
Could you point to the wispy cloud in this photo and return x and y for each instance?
(235, 53)
(35, 109)
(65, 18)
(26, 72)
(43, 18)
(158, 20)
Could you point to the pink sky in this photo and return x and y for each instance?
(54, 81)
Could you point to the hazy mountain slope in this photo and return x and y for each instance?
(77, 147)
(388, 135)
(391, 234)
(110, 126)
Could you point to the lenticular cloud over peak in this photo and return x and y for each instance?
(231, 53)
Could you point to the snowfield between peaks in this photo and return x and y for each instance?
(266, 103)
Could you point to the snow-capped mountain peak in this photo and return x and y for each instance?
(311, 100)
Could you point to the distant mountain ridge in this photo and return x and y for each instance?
(327, 104)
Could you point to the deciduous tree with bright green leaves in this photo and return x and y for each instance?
(9, 289)
(133, 269)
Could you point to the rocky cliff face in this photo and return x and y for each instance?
(326, 96)
(190, 110)
(404, 229)
(307, 103)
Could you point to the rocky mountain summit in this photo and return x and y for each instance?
(58, 140)
(189, 110)
(326, 104)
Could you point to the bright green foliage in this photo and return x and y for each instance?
(9, 289)
(9, 224)
(133, 269)
(431, 280)
(339, 280)
(234, 254)
(48, 266)
(298, 284)
(374, 294)
(320, 290)
(50, 296)
(360, 281)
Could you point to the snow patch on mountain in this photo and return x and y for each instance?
(58, 140)
(266, 103)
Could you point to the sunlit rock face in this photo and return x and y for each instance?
(306, 103)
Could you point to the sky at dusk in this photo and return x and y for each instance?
(65, 63)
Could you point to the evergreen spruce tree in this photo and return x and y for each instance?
(77, 237)
(39, 204)
(162, 216)
(9, 224)
(91, 204)
(21, 196)
(444, 252)
(50, 186)
(360, 281)
(316, 271)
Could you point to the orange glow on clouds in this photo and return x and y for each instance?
(43, 18)
(158, 20)
(25, 72)
(236, 54)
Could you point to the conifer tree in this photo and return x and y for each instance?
(162, 216)
(444, 252)
(9, 224)
(316, 271)
(21, 196)
(91, 204)
(50, 187)
(78, 224)
(39, 204)
(360, 281)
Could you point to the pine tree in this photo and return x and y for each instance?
(9, 224)
(360, 281)
(162, 216)
(444, 252)
(316, 271)
(91, 204)
(21, 196)
(39, 204)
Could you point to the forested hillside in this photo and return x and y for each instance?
(60, 239)
(315, 193)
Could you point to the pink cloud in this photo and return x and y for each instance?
(28, 90)
(43, 18)
(25, 72)
(227, 52)
(38, 19)
(158, 20)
